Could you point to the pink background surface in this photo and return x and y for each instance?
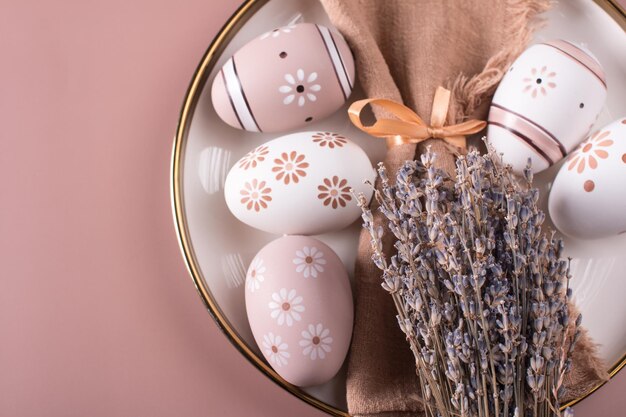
(98, 316)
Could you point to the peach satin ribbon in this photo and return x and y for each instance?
(410, 128)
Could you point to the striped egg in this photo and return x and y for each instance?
(546, 104)
(284, 79)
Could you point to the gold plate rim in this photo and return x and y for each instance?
(217, 45)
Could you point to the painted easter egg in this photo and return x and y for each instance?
(299, 305)
(299, 184)
(284, 79)
(588, 196)
(545, 104)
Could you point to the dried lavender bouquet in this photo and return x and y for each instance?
(481, 293)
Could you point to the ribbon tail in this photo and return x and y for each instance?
(407, 125)
(439, 111)
(468, 127)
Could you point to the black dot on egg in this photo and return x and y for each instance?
(538, 80)
(581, 105)
(308, 119)
(283, 55)
(300, 88)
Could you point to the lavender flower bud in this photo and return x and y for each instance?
(435, 315)
(536, 363)
(452, 373)
(540, 381)
(479, 246)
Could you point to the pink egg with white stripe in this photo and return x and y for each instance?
(284, 79)
(546, 103)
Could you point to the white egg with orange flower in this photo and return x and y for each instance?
(588, 196)
(301, 183)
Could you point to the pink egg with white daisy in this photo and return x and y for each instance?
(284, 79)
(300, 309)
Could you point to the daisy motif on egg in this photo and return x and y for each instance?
(290, 167)
(277, 32)
(329, 139)
(316, 341)
(286, 307)
(275, 349)
(255, 275)
(300, 88)
(334, 192)
(590, 152)
(309, 261)
(254, 157)
(255, 195)
(539, 81)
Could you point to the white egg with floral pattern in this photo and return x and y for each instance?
(299, 184)
(299, 305)
(588, 196)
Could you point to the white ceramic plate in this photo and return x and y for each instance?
(218, 248)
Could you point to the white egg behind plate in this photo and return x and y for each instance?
(588, 196)
(299, 184)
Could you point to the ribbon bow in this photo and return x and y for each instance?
(409, 127)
